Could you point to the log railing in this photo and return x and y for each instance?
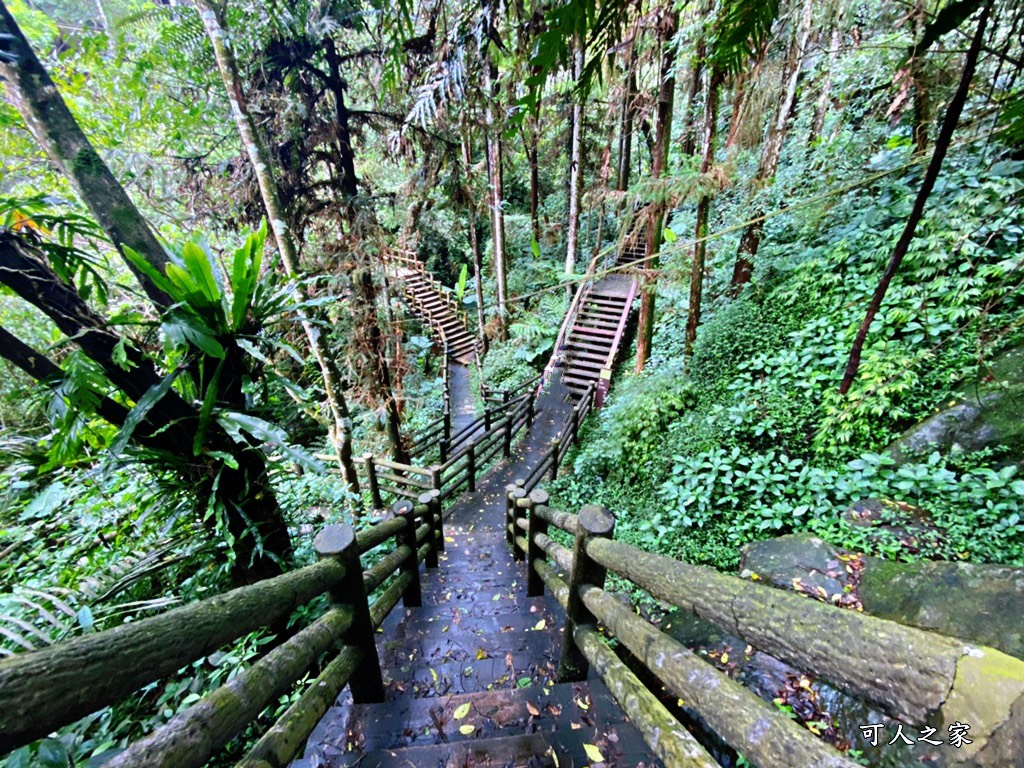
(552, 458)
(43, 690)
(464, 455)
(918, 677)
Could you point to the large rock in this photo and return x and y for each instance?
(984, 603)
(984, 414)
(896, 525)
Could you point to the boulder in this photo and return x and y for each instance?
(896, 525)
(803, 563)
(983, 603)
(988, 413)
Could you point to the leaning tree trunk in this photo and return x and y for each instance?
(33, 93)
(495, 178)
(259, 157)
(771, 152)
(703, 210)
(663, 135)
(243, 493)
(942, 142)
(575, 166)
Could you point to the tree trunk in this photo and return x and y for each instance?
(821, 109)
(379, 379)
(33, 93)
(746, 80)
(696, 73)
(626, 112)
(575, 166)
(496, 181)
(259, 157)
(707, 157)
(530, 134)
(669, 23)
(476, 246)
(922, 102)
(771, 152)
(942, 142)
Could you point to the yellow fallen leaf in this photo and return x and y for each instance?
(540, 625)
(465, 730)
(461, 711)
(725, 658)
(593, 753)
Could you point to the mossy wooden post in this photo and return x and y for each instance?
(435, 538)
(531, 409)
(574, 424)
(371, 481)
(435, 478)
(443, 448)
(339, 542)
(405, 510)
(510, 533)
(487, 419)
(534, 583)
(553, 475)
(506, 438)
(437, 514)
(594, 522)
(520, 505)
(471, 468)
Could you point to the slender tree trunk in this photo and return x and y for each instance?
(771, 152)
(476, 246)
(263, 167)
(707, 158)
(745, 81)
(821, 108)
(663, 135)
(942, 142)
(696, 73)
(626, 113)
(922, 102)
(530, 134)
(575, 166)
(336, 83)
(494, 177)
(33, 93)
(380, 373)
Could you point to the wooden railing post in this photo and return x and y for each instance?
(506, 438)
(574, 424)
(487, 419)
(471, 468)
(443, 446)
(371, 481)
(427, 510)
(603, 384)
(531, 409)
(505, 396)
(339, 542)
(405, 510)
(534, 583)
(437, 515)
(435, 478)
(520, 502)
(510, 531)
(555, 445)
(594, 521)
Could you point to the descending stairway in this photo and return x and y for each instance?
(470, 675)
(592, 336)
(433, 304)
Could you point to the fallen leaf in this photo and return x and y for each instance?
(593, 753)
(532, 709)
(482, 654)
(465, 730)
(539, 625)
(461, 711)
(575, 726)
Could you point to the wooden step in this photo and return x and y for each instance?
(575, 364)
(587, 344)
(588, 331)
(598, 322)
(579, 354)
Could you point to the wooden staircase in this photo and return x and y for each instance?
(592, 335)
(433, 304)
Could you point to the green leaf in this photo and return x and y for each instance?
(461, 711)
(273, 438)
(670, 236)
(593, 753)
(463, 277)
(51, 754)
(535, 247)
(138, 413)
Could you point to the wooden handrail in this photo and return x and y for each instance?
(927, 677)
(46, 689)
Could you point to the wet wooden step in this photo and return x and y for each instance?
(591, 345)
(418, 722)
(585, 330)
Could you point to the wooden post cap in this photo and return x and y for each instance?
(539, 496)
(367, 457)
(427, 496)
(402, 507)
(333, 540)
(520, 482)
(435, 494)
(518, 492)
(596, 520)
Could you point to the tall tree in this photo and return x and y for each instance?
(668, 24)
(771, 150)
(474, 240)
(575, 162)
(709, 130)
(931, 175)
(496, 182)
(213, 16)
